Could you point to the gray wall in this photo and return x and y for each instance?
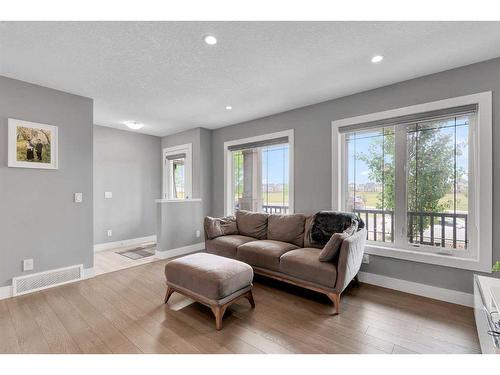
(205, 171)
(129, 165)
(178, 222)
(312, 126)
(38, 217)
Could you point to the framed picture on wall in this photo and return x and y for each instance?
(32, 145)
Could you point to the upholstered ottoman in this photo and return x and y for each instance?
(210, 279)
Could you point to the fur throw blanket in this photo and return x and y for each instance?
(326, 223)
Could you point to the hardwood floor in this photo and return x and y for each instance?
(123, 312)
(109, 261)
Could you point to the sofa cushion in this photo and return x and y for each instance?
(226, 245)
(305, 265)
(332, 247)
(264, 253)
(216, 227)
(286, 228)
(208, 275)
(252, 224)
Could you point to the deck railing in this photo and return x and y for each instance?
(442, 229)
(275, 208)
(378, 223)
(422, 229)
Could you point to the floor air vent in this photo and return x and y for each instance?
(43, 280)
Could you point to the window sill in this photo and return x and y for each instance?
(480, 265)
(178, 200)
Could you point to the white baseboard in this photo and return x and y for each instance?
(6, 291)
(429, 291)
(131, 242)
(180, 251)
(88, 273)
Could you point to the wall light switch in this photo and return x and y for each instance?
(108, 194)
(110, 232)
(28, 265)
(197, 233)
(78, 197)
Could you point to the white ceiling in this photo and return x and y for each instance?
(164, 75)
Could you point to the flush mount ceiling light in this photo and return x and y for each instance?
(377, 59)
(228, 107)
(210, 40)
(134, 125)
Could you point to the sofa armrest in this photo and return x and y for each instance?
(350, 259)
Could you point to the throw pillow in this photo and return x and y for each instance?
(332, 247)
(252, 224)
(216, 227)
(286, 228)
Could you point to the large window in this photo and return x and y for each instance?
(258, 174)
(414, 180)
(177, 172)
(436, 179)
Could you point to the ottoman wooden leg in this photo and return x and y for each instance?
(169, 293)
(219, 313)
(249, 297)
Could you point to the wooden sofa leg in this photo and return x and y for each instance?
(335, 298)
(169, 293)
(356, 280)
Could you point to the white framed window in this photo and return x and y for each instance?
(421, 179)
(177, 172)
(258, 174)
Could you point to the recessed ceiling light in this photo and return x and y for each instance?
(228, 107)
(210, 39)
(377, 59)
(134, 125)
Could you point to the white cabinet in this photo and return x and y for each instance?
(484, 312)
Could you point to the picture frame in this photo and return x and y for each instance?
(32, 145)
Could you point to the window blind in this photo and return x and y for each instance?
(250, 145)
(176, 156)
(412, 118)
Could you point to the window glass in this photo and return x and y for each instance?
(275, 179)
(437, 182)
(178, 178)
(260, 179)
(370, 181)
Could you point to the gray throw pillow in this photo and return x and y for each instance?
(216, 227)
(332, 247)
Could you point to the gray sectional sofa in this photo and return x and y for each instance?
(281, 247)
